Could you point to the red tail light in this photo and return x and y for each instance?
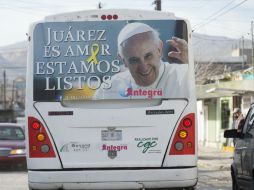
(103, 17)
(115, 17)
(36, 125)
(184, 139)
(39, 142)
(109, 17)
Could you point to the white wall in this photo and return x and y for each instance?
(200, 118)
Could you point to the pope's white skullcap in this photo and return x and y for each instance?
(132, 29)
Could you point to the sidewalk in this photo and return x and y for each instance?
(214, 158)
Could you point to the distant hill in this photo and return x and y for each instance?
(13, 60)
(12, 47)
(13, 57)
(208, 48)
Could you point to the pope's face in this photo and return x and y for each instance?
(141, 54)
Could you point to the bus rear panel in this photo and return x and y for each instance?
(91, 123)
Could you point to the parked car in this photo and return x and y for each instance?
(242, 168)
(12, 145)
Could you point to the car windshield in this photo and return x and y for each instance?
(11, 133)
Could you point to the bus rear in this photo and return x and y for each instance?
(111, 101)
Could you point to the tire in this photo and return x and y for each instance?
(189, 188)
(234, 182)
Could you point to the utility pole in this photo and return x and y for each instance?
(242, 51)
(4, 75)
(157, 4)
(12, 96)
(252, 43)
(99, 5)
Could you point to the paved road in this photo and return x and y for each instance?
(214, 169)
(13, 180)
(214, 172)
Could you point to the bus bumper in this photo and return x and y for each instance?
(113, 179)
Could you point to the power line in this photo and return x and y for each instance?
(228, 28)
(197, 0)
(227, 20)
(215, 13)
(203, 38)
(237, 5)
(210, 39)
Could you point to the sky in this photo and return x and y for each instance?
(230, 18)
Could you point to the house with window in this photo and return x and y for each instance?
(222, 84)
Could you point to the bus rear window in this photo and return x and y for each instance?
(120, 60)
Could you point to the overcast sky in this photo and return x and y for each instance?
(231, 18)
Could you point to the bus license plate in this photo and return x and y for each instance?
(111, 135)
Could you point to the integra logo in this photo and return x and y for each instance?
(114, 147)
(141, 92)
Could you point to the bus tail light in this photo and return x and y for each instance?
(109, 17)
(184, 139)
(39, 142)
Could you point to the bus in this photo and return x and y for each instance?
(110, 101)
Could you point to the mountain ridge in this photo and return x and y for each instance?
(205, 48)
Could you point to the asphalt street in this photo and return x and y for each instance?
(214, 169)
(214, 172)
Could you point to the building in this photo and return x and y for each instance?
(222, 85)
